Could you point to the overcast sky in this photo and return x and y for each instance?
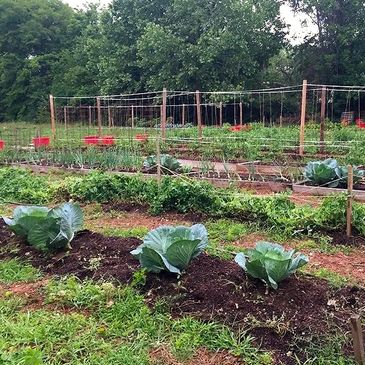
(296, 33)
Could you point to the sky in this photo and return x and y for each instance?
(296, 31)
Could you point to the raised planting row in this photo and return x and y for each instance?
(183, 196)
(302, 313)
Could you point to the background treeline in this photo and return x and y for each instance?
(137, 45)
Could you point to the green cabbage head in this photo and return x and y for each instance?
(47, 229)
(270, 262)
(169, 248)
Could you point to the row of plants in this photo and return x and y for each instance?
(166, 248)
(183, 196)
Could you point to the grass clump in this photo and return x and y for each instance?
(13, 270)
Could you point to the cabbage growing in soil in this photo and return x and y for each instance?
(329, 173)
(47, 229)
(169, 248)
(167, 162)
(270, 262)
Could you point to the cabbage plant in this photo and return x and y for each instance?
(270, 262)
(169, 248)
(47, 229)
(329, 173)
(167, 162)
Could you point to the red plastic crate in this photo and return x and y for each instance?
(2, 144)
(141, 137)
(360, 123)
(91, 140)
(108, 140)
(41, 141)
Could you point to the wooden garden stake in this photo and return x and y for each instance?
(90, 116)
(98, 106)
(109, 117)
(358, 340)
(302, 118)
(132, 116)
(323, 116)
(350, 183)
(198, 113)
(241, 114)
(163, 114)
(220, 114)
(183, 115)
(53, 122)
(158, 159)
(65, 116)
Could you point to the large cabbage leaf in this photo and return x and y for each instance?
(330, 174)
(167, 162)
(270, 262)
(169, 248)
(44, 228)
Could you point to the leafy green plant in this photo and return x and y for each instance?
(329, 173)
(47, 229)
(270, 262)
(167, 162)
(169, 248)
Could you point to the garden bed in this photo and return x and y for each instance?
(282, 321)
(358, 192)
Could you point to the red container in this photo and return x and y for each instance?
(360, 123)
(141, 137)
(108, 140)
(91, 140)
(2, 144)
(41, 142)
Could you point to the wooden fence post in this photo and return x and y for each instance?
(158, 159)
(350, 182)
(65, 116)
(323, 116)
(220, 114)
(53, 121)
(302, 118)
(358, 340)
(90, 116)
(183, 115)
(109, 117)
(98, 106)
(241, 114)
(163, 114)
(198, 113)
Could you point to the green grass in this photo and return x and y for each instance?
(118, 328)
(139, 232)
(12, 271)
(334, 279)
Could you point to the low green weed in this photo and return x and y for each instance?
(13, 270)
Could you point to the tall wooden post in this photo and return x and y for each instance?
(183, 115)
(241, 114)
(98, 106)
(302, 118)
(198, 113)
(220, 114)
(163, 114)
(53, 121)
(358, 339)
(109, 117)
(350, 183)
(323, 116)
(158, 159)
(90, 116)
(132, 116)
(65, 116)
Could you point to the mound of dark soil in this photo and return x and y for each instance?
(213, 289)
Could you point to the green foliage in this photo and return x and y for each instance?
(167, 162)
(47, 229)
(12, 271)
(329, 173)
(19, 185)
(170, 248)
(270, 262)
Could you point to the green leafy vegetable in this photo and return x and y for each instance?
(44, 228)
(270, 262)
(329, 173)
(171, 248)
(167, 162)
